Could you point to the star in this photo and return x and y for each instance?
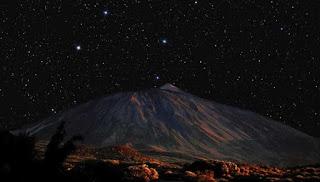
(127, 52)
(164, 41)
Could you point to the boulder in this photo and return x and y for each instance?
(141, 173)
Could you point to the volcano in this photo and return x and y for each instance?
(168, 122)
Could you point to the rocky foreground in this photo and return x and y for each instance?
(198, 171)
(123, 163)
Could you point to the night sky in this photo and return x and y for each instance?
(254, 54)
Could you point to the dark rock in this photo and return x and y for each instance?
(97, 171)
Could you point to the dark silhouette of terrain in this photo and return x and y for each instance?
(19, 160)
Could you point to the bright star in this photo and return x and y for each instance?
(105, 12)
(164, 41)
(157, 78)
(78, 47)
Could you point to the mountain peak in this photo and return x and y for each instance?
(170, 87)
(174, 125)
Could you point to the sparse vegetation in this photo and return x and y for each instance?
(57, 152)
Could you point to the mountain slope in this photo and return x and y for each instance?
(168, 121)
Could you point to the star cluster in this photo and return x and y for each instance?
(261, 55)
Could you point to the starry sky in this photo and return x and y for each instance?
(260, 55)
